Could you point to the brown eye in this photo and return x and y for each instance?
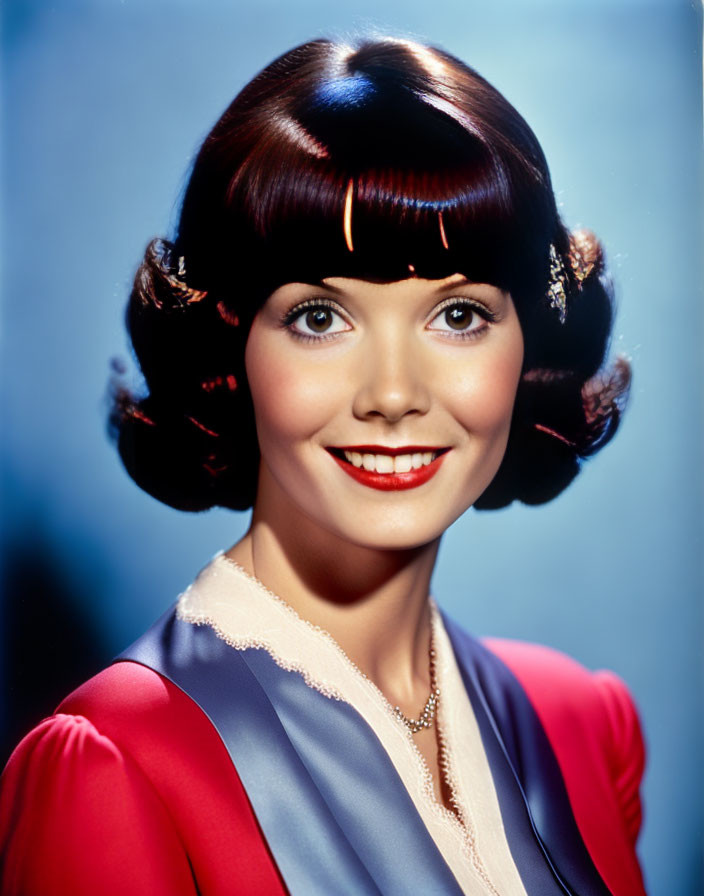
(319, 320)
(315, 321)
(462, 319)
(459, 317)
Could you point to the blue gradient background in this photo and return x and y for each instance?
(105, 103)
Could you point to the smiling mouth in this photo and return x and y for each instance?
(389, 469)
(377, 459)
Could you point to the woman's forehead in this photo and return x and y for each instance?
(343, 284)
(422, 286)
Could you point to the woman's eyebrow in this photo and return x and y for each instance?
(461, 281)
(322, 285)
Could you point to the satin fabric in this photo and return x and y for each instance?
(592, 724)
(129, 789)
(323, 789)
(526, 772)
(302, 756)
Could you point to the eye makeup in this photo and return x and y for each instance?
(308, 307)
(478, 311)
(459, 312)
(463, 304)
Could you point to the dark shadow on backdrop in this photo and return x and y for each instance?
(49, 645)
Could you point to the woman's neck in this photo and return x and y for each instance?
(373, 602)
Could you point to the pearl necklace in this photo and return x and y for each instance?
(427, 716)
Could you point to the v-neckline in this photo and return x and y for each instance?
(246, 614)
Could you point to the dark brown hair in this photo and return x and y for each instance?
(444, 175)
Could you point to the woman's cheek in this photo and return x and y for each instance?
(483, 397)
(292, 399)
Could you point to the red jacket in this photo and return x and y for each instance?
(128, 789)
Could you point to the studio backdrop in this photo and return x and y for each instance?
(104, 105)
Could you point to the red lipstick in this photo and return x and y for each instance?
(389, 481)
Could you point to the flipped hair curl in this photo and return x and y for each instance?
(445, 176)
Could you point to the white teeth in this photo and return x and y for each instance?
(385, 463)
(369, 462)
(403, 463)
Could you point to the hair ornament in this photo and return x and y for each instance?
(347, 215)
(558, 284)
(583, 255)
(185, 295)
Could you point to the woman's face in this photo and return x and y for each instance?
(382, 410)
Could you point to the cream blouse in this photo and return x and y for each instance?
(246, 614)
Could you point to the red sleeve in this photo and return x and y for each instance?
(129, 790)
(78, 817)
(592, 724)
(627, 749)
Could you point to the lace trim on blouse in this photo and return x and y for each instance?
(246, 614)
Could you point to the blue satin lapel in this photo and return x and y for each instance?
(358, 782)
(532, 795)
(334, 812)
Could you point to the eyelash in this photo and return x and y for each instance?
(482, 311)
(294, 314)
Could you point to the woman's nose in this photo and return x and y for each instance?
(391, 381)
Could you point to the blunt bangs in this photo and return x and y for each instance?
(376, 173)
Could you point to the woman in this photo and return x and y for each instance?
(371, 318)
